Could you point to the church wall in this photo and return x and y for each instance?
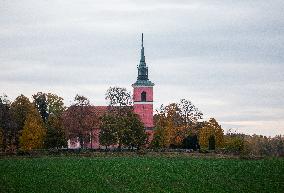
(145, 112)
(138, 90)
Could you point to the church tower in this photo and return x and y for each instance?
(143, 95)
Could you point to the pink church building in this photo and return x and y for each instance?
(142, 104)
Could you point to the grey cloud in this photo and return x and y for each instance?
(224, 55)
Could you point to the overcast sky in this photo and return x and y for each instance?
(227, 57)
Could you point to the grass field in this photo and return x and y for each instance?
(140, 174)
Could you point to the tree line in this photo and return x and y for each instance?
(45, 122)
(31, 125)
(180, 125)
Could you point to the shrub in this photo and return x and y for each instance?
(234, 143)
(258, 145)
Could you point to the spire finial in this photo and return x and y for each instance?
(142, 39)
(142, 60)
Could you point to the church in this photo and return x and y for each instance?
(142, 104)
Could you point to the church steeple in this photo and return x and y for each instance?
(142, 78)
(143, 95)
(142, 68)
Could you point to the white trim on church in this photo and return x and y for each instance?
(141, 103)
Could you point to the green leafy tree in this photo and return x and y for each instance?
(125, 130)
(107, 136)
(134, 134)
(120, 101)
(1, 140)
(40, 101)
(113, 127)
(55, 135)
(159, 138)
(120, 125)
(55, 105)
(7, 124)
(49, 104)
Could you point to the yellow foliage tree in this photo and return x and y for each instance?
(172, 127)
(160, 135)
(211, 128)
(33, 133)
(175, 122)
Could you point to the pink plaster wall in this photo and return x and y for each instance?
(74, 143)
(138, 90)
(145, 111)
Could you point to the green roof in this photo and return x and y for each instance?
(143, 83)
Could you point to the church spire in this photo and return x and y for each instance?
(142, 78)
(142, 39)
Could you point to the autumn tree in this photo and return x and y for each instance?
(211, 132)
(159, 139)
(33, 133)
(80, 120)
(175, 129)
(20, 108)
(234, 142)
(50, 106)
(175, 122)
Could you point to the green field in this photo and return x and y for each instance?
(140, 174)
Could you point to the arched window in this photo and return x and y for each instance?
(143, 96)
